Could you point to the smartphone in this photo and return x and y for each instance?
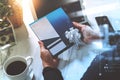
(101, 20)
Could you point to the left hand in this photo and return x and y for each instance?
(47, 58)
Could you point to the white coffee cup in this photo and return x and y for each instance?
(19, 71)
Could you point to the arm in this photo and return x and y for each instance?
(88, 36)
(50, 71)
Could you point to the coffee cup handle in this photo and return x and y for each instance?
(29, 60)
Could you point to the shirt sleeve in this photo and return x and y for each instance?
(93, 70)
(52, 74)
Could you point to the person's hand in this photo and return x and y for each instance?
(47, 59)
(88, 33)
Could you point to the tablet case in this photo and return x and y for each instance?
(51, 30)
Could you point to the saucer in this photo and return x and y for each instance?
(31, 76)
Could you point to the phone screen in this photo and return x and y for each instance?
(101, 20)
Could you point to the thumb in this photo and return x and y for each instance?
(41, 44)
(77, 25)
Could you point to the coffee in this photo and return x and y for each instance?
(16, 68)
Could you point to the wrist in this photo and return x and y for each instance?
(47, 65)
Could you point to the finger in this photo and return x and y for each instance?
(77, 25)
(56, 62)
(87, 40)
(41, 44)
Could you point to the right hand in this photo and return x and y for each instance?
(88, 33)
